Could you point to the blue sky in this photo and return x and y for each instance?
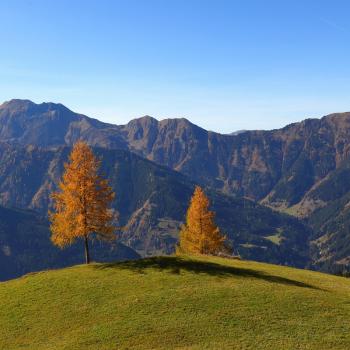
(225, 65)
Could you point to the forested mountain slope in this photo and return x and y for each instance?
(151, 203)
(25, 246)
(300, 169)
(277, 166)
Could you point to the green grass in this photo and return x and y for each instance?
(275, 238)
(176, 303)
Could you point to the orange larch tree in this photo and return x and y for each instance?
(200, 235)
(81, 205)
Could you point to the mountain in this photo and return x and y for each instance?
(26, 123)
(25, 246)
(235, 133)
(292, 170)
(175, 303)
(151, 202)
(278, 167)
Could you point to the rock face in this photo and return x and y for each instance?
(278, 166)
(293, 169)
(49, 124)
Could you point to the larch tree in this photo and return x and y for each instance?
(81, 205)
(200, 235)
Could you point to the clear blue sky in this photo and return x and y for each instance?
(225, 65)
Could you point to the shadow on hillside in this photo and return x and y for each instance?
(174, 265)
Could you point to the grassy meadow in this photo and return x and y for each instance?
(175, 303)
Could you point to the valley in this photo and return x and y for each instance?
(280, 195)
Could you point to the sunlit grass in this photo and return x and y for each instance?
(275, 238)
(169, 302)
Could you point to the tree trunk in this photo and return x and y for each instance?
(201, 246)
(87, 253)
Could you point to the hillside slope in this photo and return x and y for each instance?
(301, 169)
(168, 303)
(151, 201)
(277, 166)
(25, 246)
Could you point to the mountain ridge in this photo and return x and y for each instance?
(252, 163)
(151, 201)
(284, 169)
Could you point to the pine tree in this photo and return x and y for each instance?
(81, 206)
(200, 235)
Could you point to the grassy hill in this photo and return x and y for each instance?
(175, 302)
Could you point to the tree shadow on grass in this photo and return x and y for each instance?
(174, 265)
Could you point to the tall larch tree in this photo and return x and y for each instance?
(81, 205)
(200, 235)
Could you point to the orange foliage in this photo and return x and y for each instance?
(81, 206)
(200, 235)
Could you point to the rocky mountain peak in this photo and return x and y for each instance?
(25, 108)
(17, 104)
(144, 122)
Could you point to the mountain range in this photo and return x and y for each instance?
(281, 195)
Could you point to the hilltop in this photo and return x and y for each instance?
(175, 302)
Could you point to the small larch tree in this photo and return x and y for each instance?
(200, 235)
(81, 205)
